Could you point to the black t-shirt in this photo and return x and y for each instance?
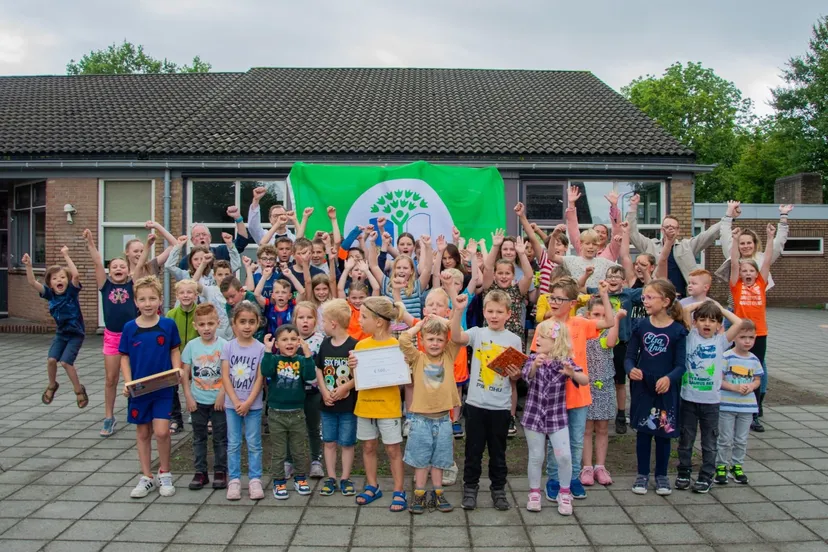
(638, 310)
(299, 275)
(118, 305)
(333, 361)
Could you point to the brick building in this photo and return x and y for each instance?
(119, 150)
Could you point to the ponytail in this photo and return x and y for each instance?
(668, 290)
(676, 312)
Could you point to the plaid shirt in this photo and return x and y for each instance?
(545, 407)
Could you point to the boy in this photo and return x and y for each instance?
(149, 345)
(430, 445)
(697, 287)
(287, 373)
(336, 383)
(701, 389)
(302, 251)
(266, 255)
(186, 293)
(278, 308)
(201, 362)
(743, 375)
(489, 402)
(212, 293)
(562, 294)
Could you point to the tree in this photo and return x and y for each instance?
(703, 111)
(127, 59)
(767, 154)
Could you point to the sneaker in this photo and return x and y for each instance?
(640, 485)
(234, 489)
(512, 428)
(219, 480)
(553, 487)
(450, 475)
(316, 471)
(738, 474)
(565, 503)
(702, 485)
(534, 502)
(144, 487)
(328, 487)
(620, 425)
(470, 497)
(756, 425)
(577, 490)
(198, 482)
(300, 484)
(288, 470)
(683, 481)
(439, 502)
(602, 476)
(166, 487)
(406, 428)
(254, 488)
(587, 476)
(457, 429)
(663, 485)
(501, 502)
(418, 503)
(280, 491)
(721, 475)
(108, 427)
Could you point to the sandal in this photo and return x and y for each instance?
(46, 398)
(346, 486)
(399, 503)
(174, 428)
(368, 498)
(82, 398)
(329, 487)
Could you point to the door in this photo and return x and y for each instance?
(4, 253)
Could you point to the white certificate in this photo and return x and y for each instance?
(381, 367)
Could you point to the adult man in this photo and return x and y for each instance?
(200, 235)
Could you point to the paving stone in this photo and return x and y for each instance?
(570, 535)
(808, 509)
(276, 516)
(438, 537)
(149, 531)
(71, 546)
(626, 497)
(616, 535)
(131, 547)
(602, 515)
(548, 516)
(368, 536)
(28, 529)
(258, 535)
(39, 492)
(20, 477)
(780, 494)
(5, 523)
(64, 510)
(166, 512)
(818, 526)
(456, 518)
(819, 491)
(198, 548)
(62, 478)
(654, 514)
(813, 546)
(671, 533)
(221, 514)
(753, 512)
(7, 490)
(726, 533)
(23, 545)
(93, 530)
(84, 492)
(116, 510)
(783, 531)
(205, 533)
(489, 517)
(739, 495)
(330, 516)
(702, 513)
(19, 508)
(501, 537)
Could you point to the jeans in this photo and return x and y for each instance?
(313, 422)
(662, 453)
(251, 425)
(705, 416)
(734, 428)
(203, 414)
(486, 429)
(536, 442)
(577, 428)
(287, 428)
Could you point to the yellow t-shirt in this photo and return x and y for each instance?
(543, 306)
(383, 402)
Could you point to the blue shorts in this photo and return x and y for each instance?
(144, 410)
(430, 442)
(339, 428)
(65, 348)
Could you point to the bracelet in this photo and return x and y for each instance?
(240, 219)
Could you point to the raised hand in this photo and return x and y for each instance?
(574, 195)
(497, 237)
(26, 260)
(441, 243)
(246, 261)
(622, 313)
(785, 209)
(381, 222)
(150, 224)
(733, 209)
(471, 247)
(612, 197)
(363, 266)
(269, 342)
(326, 239)
(634, 201)
(425, 239)
(227, 238)
(603, 287)
(735, 233)
(520, 209)
(291, 216)
(350, 263)
(625, 227)
(151, 239)
(460, 302)
(182, 240)
(208, 258)
(331, 212)
(233, 212)
(771, 231)
(259, 193)
(520, 246)
(87, 235)
(445, 279)
(64, 250)
(559, 229)
(455, 234)
(267, 272)
(307, 212)
(386, 239)
(372, 236)
(589, 271)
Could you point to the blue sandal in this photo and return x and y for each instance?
(399, 501)
(368, 498)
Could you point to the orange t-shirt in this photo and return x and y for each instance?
(580, 330)
(354, 328)
(461, 366)
(750, 302)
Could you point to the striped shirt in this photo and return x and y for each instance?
(546, 269)
(739, 370)
(412, 302)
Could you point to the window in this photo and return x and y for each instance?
(544, 201)
(29, 223)
(124, 208)
(593, 208)
(800, 247)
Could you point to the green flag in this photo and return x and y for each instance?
(419, 198)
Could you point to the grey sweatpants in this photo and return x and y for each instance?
(734, 429)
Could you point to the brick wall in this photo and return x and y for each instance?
(798, 281)
(681, 203)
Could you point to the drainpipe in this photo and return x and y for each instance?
(166, 225)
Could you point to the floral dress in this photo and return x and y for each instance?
(515, 322)
(601, 379)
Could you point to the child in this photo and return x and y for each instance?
(241, 376)
(403, 269)
(322, 291)
(212, 293)
(149, 345)
(430, 445)
(204, 394)
(748, 284)
(118, 306)
(378, 411)
(590, 243)
(698, 286)
(61, 289)
(489, 402)
(700, 389)
(336, 384)
(287, 372)
(279, 307)
(544, 414)
(600, 352)
(266, 257)
(743, 375)
(656, 357)
(186, 294)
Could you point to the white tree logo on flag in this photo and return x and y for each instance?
(398, 206)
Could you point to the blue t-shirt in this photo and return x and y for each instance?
(739, 370)
(149, 351)
(205, 368)
(268, 285)
(624, 299)
(65, 309)
(118, 305)
(276, 317)
(674, 275)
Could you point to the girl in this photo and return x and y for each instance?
(379, 410)
(655, 363)
(61, 289)
(590, 244)
(602, 388)
(118, 305)
(500, 275)
(449, 257)
(544, 414)
(406, 245)
(748, 284)
(356, 296)
(138, 255)
(356, 271)
(404, 270)
(241, 375)
(198, 255)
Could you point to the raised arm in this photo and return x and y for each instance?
(74, 275)
(609, 314)
(235, 257)
(371, 252)
(457, 334)
(100, 271)
(726, 226)
(426, 262)
(735, 323)
(30, 277)
(475, 269)
(300, 228)
(571, 216)
(343, 278)
(435, 265)
(642, 243)
(490, 259)
(375, 283)
(291, 277)
(268, 237)
(624, 253)
(767, 259)
(407, 347)
(254, 217)
(612, 334)
(249, 268)
(528, 274)
(663, 260)
(337, 235)
(781, 232)
(734, 256)
(537, 245)
(267, 272)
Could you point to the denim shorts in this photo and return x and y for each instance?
(65, 348)
(339, 428)
(430, 442)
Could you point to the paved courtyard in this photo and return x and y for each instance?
(63, 488)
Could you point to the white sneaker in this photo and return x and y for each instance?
(144, 487)
(166, 484)
(450, 475)
(288, 470)
(316, 471)
(406, 427)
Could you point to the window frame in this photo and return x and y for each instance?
(621, 199)
(15, 255)
(819, 253)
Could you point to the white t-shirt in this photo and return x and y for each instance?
(487, 388)
(702, 381)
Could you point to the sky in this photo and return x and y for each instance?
(746, 42)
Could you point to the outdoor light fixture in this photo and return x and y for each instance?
(69, 210)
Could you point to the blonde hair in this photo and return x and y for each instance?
(409, 288)
(382, 309)
(560, 348)
(589, 236)
(337, 310)
(179, 285)
(205, 309)
(305, 305)
(435, 326)
(148, 282)
(668, 290)
(439, 292)
(499, 297)
(455, 274)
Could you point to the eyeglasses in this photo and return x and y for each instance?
(651, 297)
(558, 300)
(615, 277)
(267, 259)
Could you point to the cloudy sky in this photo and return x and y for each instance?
(746, 41)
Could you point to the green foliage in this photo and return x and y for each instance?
(128, 59)
(398, 206)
